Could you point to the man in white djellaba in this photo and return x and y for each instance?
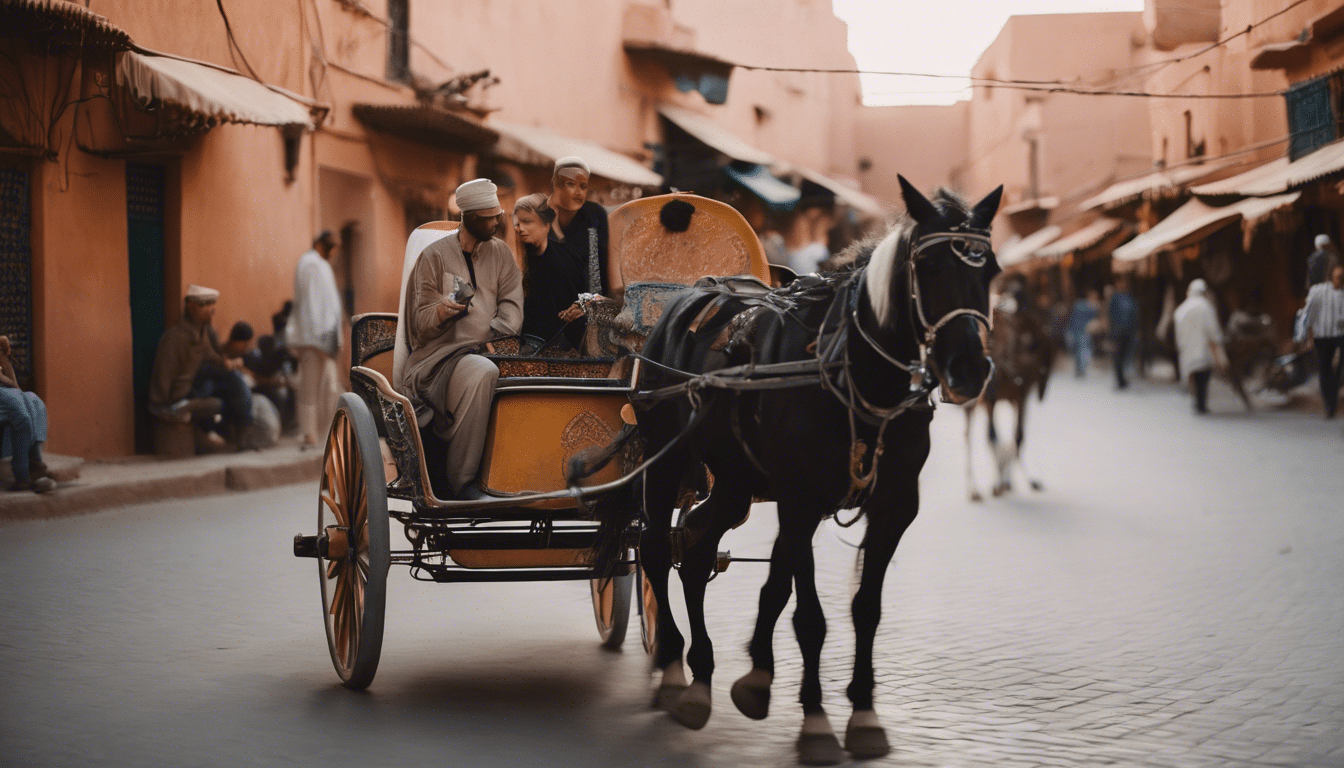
(313, 335)
(1199, 341)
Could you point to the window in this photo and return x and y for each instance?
(1314, 113)
(398, 40)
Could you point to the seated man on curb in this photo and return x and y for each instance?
(192, 377)
(464, 290)
(23, 422)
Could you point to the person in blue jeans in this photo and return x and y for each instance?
(1123, 314)
(23, 422)
(1078, 336)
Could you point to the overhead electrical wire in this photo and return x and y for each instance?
(1064, 86)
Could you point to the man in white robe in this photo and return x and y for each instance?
(1199, 341)
(464, 290)
(313, 335)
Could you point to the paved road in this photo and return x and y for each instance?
(1174, 598)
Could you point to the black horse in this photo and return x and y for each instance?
(818, 396)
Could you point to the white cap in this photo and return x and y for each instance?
(571, 166)
(1322, 241)
(479, 195)
(201, 293)
(1197, 287)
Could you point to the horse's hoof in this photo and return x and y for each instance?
(976, 497)
(751, 694)
(692, 707)
(819, 749)
(1037, 485)
(866, 742)
(665, 698)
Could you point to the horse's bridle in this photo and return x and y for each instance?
(972, 247)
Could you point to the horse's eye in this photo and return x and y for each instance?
(973, 252)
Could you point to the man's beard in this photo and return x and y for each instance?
(481, 230)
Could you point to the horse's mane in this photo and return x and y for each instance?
(881, 253)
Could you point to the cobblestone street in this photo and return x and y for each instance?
(1173, 598)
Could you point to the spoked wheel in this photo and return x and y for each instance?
(611, 608)
(648, 610)
(352, 566)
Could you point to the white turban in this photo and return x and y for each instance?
(1197, 287)
(479, 195)
(1322, 241)
(569, 166)
(202, 294)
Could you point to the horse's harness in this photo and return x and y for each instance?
(831, 368)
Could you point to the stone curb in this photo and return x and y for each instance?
(190, 482)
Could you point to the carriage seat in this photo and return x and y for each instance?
(659, 246)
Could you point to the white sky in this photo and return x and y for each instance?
(938, 37)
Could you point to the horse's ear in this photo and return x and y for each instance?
(983, 212)
(916, 204)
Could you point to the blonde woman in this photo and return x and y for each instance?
(552, 277)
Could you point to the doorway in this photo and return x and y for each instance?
(145, 235)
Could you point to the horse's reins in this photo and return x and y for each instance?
(971, 246)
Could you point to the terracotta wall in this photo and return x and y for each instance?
(922, 143)
(82, 327)
(1082, 142)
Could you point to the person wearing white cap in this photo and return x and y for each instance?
(464, 290)
(1199, 341)
(580, 229)
(313, 334)
(1321, 260)
(193, 379)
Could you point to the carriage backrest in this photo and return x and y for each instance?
(424, 236)
(718, 241)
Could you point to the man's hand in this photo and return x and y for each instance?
(448, 309)
(234, 363)
(573, 313)
(489, 348)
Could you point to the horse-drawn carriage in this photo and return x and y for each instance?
(547, 411)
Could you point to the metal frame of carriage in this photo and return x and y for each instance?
(524, 531)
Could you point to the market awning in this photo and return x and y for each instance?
(1151, 186)
(1085, 238)
(777, 194)
(1196, 220)
(537, 146)
(427, 124)
(856, 199)
(1279, 176)
(1018, 251)
(215, 95)
(705, 130)
(60, 23)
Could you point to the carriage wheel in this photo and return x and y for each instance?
(611, 608)
(648, 610)
(352, 568)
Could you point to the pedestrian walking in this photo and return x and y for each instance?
(313, 335)
(1321, 261)
(1086, 309)
(1122, 312)
(1199, 341)
(1325, 324)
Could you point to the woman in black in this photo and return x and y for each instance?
(552, 278)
